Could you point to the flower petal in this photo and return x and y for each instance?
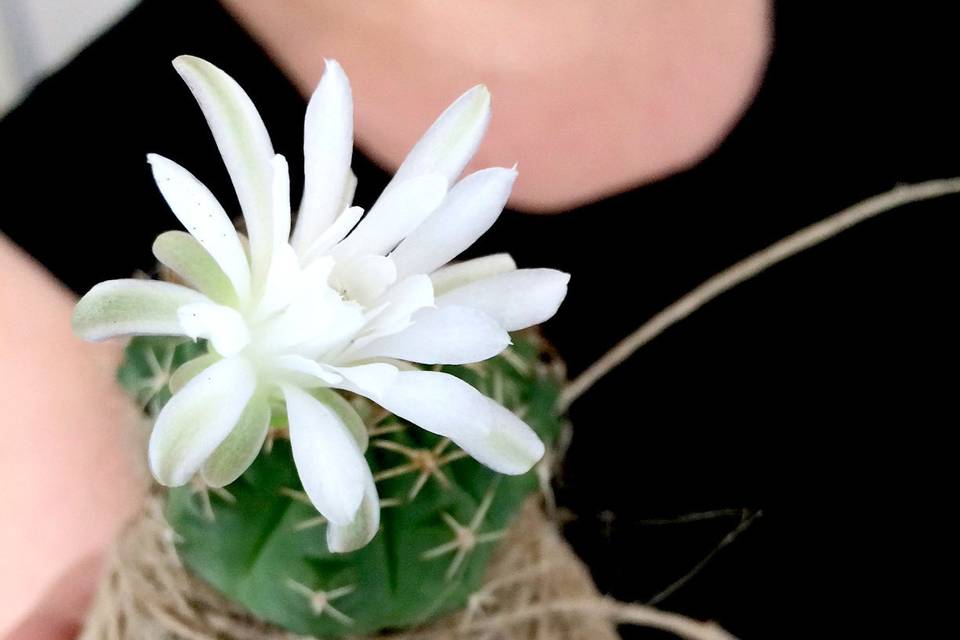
(244, 144)
(280, 202)
(369, 380)
(451, 141)
(240, 449)
(327, 149)
(395, 308)
(450, 407)
(190, 370)
(471, 207)
(333, 234)
(312, 325)
(349, 191)
(280, 286)
(400, 302)
(187, 258)
(451, 335)
(395, 214)
(347, 414)
(223, 326)
(363, 278)
(132, 307)
(331, 467)
(458, 274)
(362, 529)
(517, 299)
(303, 372)
(198, 418)
(201, 214)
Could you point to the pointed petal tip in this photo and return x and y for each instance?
(331, 64)
(334, 74)
(482, 92)
(480, 96)
(185, 62)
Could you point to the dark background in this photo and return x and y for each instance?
(815, 401)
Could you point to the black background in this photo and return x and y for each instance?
(821, 393)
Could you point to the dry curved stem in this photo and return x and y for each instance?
(749, 267)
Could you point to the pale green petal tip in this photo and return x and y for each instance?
(91, 313)
(482, 95)
(516, 455)
(349, 538)
(185, 62)
(364, 527)
(130, 307)
(240, 449)
(81, 320)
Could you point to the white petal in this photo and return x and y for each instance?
(223, 326)
(244, 144)
(132, 307)
(363, 528)
(349, 190)
(327, 149)
(363, 278)
(369, 380)
(458, 274)
(312, 326)
(204, 218)
(395, 309)
(281, 283)
(331, 467)
(280, 191)
(198, 418)
(313, 307)
(333, 234)
(451, 141)
(517, 299)
(450, 335)
(471, 207)
(315, 276)
(275, 286)
(450, 407)
(395, 214)
(238, 451)
(302, 371)
(190, 370)
(187, 258)
(346, 323)
(347, 414)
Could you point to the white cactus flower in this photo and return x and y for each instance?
(333, 306)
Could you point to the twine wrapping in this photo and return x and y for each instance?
(536, 589)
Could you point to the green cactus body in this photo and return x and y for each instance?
(262, 544)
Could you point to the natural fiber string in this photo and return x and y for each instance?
(536, 589)
(750, 267)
